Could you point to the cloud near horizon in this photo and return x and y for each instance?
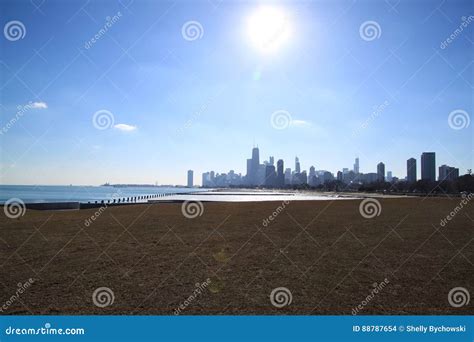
(39, 105)
(125, 127)
(300, 123)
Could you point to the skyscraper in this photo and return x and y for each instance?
(411, 170)
(255, 156)
(356, 166)
(381, 172)
(270, 176)
(280, 173)
(288, 176)
(428, 166)
(253, 167)
(206, 179)
(297, 165)
(190, 178)
(389, 176)
(446, 172)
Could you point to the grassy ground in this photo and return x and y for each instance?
(324, 252)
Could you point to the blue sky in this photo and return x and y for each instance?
(200, 104)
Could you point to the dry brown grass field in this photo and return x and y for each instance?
(324, 252)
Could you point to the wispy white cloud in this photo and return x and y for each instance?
(39, 105)
(125, 127)
(300, 123)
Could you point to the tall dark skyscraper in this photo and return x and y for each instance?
(381, 172)
(411, 170)
(428, 166)
(256, 156)
(297, 165)
(280, 173)
(252, 167)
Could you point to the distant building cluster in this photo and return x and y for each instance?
(269, 175)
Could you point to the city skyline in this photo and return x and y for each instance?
(271, 174)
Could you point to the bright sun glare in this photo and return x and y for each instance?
(268, 28)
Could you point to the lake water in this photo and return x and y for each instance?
(84, 194)
(254, 196)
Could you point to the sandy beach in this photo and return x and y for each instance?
(325, 253)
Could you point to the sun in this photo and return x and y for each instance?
(268, 28)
